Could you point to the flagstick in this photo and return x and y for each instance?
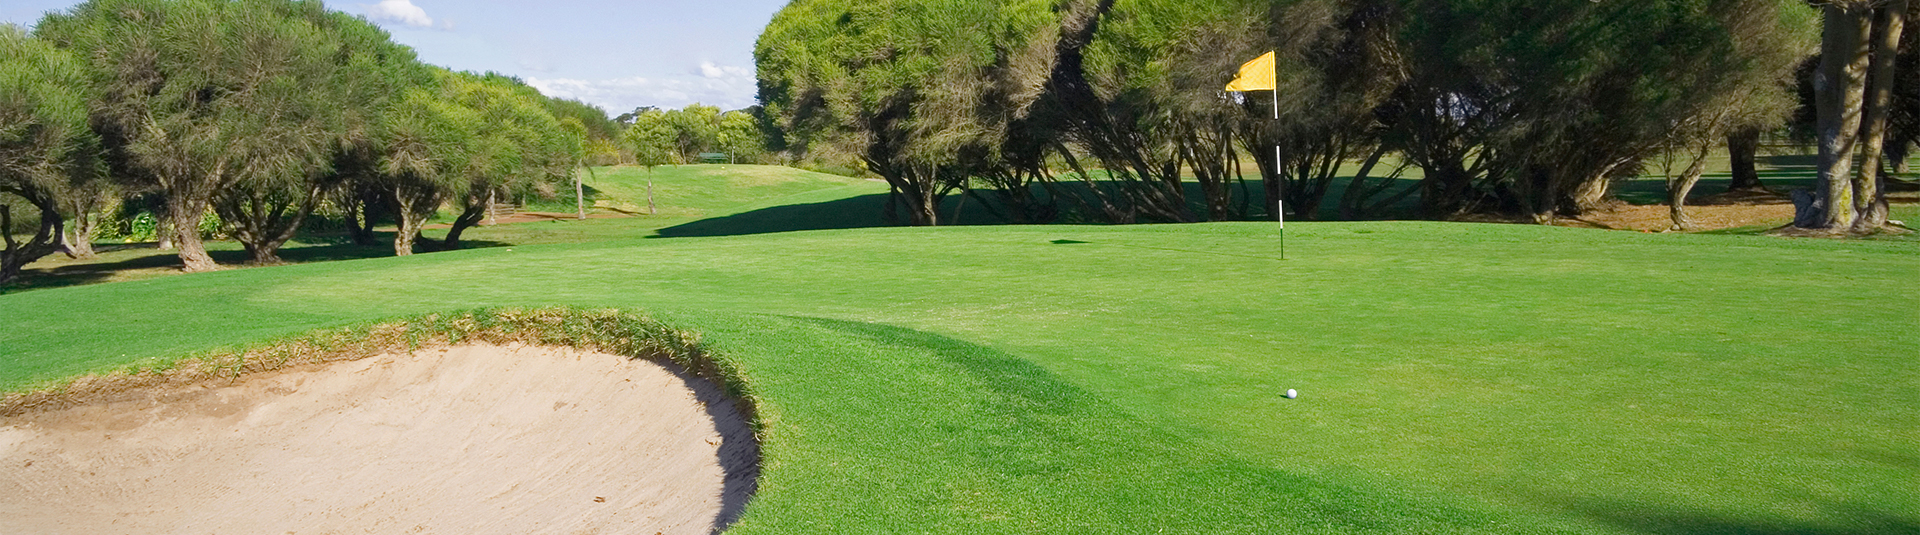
(1279, 206)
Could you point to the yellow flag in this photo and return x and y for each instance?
(1256, 75)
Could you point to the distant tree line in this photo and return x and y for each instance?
(248, 116)
(655, 136)
(1532, 108)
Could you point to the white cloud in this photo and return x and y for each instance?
(403, 12)
(726, 87)
(708, 70)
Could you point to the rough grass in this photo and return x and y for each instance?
(1454, 378)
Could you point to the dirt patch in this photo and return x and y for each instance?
(1736, 209)
(1724, 211)
(472, 439)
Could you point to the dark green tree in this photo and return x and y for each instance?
(913, 89)
(47, 153)
(236, 106)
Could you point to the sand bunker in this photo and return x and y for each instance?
(477, 439)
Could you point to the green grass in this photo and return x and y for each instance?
(1455, 378)
(690, 200)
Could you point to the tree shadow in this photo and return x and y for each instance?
(853, 212)
(325, 248)
(1654, 520)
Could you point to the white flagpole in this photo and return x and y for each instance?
(1279, 206)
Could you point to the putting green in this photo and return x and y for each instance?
(1453, 377)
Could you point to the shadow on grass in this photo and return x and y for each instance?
(853, 212)
(1658, 521)
(148, 257)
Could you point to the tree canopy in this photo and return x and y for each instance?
(234, 105)
(1509, 106)
(46, 148)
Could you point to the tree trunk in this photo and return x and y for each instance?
(262, 222)
(491, 220)
(1870, 196)
(913, 186)
(359, 206)
(16, 255)
(1678, 188)
(78, 238)
(404, 238)
(1897, 157)
(1592, 193)
(1839, 85)
(186, 211)
(580, 195)
(351, 208)
(468, 219)
(1742, 149)
(163, 232)
(412, 214)
(86, 204)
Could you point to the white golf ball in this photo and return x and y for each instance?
(1291, 393)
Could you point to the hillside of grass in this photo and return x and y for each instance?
(698, 191)
(1454, 378)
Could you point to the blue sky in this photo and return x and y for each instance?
(619, 55)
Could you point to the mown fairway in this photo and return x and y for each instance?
(1453, 377)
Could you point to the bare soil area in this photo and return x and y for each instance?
(1717, 212)
(472, 439)
(1723, 211)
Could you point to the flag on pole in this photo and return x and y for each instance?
(1262, 74)
(1256, 75)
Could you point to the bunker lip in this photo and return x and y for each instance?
(472, 438)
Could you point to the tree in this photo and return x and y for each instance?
(652, 139)
(263, 212)
(516, 147)
(696, 130)
(575, 144)
(1853, 87)
(431, 146)
(236, 106)
(1743, 87)
(889, 82)
(1903, 120)
(1743, 146)
(592, 118)
(1534, 107)
(738, 135)
(46, 150)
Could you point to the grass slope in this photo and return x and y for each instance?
(1454, 378)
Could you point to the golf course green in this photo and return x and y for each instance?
(1453, 378)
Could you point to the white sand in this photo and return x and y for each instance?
(476, 439)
